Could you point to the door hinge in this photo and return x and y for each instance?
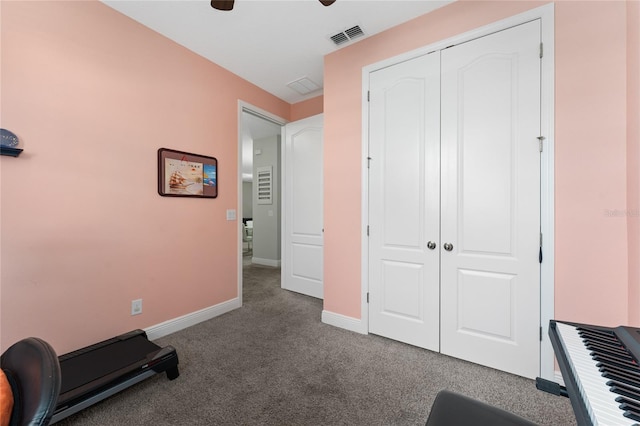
(368, 162)
(367, 297)
(541, 333)
(368, 96)
(541, 49)
(367, 230)
(541, 142)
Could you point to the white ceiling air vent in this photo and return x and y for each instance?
(347, 35)
(304, 86)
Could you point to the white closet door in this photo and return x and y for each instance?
(404, 202)
(302, 268)
(490, 279)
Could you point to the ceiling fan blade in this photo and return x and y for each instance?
(222, 4)
(327, 2)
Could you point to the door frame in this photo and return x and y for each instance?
(547, 284)
(266, 115)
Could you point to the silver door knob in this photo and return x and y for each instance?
(431, 245)
(448, 246)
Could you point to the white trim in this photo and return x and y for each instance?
(343, 321)
(547, 194)
(251, 109)
(171, 326)
(547, 284)
(283, 209)
(364, 244)
(266, 262)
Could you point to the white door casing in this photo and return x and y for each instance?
(404, 196)
(490, 209)
(302, 265)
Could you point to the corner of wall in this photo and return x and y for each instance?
(307, 108)
(633, 159)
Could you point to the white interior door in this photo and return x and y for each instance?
(302, 268)
(404, 222)
(490, 271)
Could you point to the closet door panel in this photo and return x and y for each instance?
(490, 277)
(404, 202)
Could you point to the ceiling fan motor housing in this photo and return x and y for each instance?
(228, 4)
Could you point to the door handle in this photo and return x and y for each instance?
(431, 245)
(448, 246)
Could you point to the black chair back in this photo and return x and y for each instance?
(33, 371)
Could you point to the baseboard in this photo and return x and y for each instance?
(266, 262)
(171, 326)
(343, 321)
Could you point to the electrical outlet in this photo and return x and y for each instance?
(136, 307)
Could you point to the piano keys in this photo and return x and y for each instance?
(601, 371)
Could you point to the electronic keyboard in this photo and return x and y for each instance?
(600, 370)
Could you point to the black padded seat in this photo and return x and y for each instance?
(452, 409)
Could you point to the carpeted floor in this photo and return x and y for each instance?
(272, 362)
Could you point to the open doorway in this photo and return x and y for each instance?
(259, 191)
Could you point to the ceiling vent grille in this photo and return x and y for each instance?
(339, 38)
(347, 35)
(304, 86)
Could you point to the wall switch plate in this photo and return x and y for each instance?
(231, 214)
(136, 307)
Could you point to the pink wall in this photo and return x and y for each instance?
(307, 108)
(93, 95)
(591, 243)
(633, 156)
(591, 278)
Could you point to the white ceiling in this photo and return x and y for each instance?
(270, 43)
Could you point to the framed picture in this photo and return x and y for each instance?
(183, 174)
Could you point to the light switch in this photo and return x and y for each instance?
(270, 213)
(231, 214)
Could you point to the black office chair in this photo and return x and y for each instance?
(452, 409)
(33, 371)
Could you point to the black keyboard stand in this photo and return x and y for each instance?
(91, 374)
(551, 387)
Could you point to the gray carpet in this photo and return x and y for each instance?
(272, 362)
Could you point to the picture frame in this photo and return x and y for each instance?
(185, 174)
